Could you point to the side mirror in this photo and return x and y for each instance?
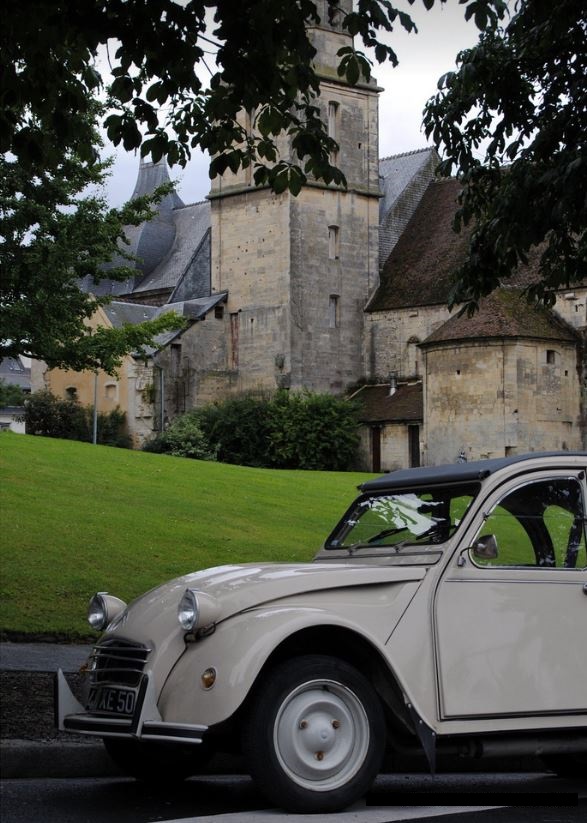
(485, 548)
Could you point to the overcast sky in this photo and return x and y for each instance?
(423, 58)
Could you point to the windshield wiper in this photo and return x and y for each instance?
(368, 545)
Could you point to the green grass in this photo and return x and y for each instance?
(78, 518)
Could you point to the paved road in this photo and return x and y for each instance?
(481, 798)
(42, 657)
(464, 798)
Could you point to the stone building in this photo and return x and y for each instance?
(344, 291)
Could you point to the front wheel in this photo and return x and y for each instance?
(315, 735)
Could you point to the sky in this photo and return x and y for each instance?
(423, 58)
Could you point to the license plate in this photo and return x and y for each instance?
(111, 699)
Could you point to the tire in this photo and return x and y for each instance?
(159, 762)
(315, 735)
(567, 765)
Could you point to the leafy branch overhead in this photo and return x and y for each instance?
(520, 97)
(182, 72)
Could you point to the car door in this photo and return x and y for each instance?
(510, 630)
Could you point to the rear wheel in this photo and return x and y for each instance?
(315, 735)
(157, 762)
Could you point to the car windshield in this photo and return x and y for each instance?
(415, 516)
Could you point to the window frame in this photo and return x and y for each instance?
(495, 564)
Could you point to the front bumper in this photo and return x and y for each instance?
(145, 724)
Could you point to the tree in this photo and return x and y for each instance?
(11, 395)
(53, 96)
(52, 237)
(159, 57)
(520, 96)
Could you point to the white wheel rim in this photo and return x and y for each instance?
(321, 735)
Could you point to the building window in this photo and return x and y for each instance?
(333, 127)
(333, 242)
(334, 311)
(175, 356)
(550, 357)
(332, 119)
(111, 391)
(219, 312)
(71, 393)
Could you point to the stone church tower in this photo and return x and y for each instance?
(298, 270)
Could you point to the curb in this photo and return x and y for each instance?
(20, 759)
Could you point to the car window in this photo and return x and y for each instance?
(416, 516)
(537, 524)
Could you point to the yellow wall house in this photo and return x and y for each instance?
(131, 389)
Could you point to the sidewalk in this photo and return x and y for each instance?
(26, 666)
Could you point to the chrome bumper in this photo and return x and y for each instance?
(145, 724)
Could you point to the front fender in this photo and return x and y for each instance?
(240, 646)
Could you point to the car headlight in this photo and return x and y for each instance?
(188, 610)
(103, 609)
(197, 610)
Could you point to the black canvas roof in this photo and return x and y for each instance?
(452, 473)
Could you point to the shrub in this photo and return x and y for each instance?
(287, 430)
(313, 431)
(239, 429)
(182, 438)
(11, 395)
(52, 416)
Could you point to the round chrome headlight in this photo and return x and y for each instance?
(97, 612)
(103, 609)
(188, 610)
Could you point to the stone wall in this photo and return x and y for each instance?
(391, 340)
(495, 398)
(298, 270)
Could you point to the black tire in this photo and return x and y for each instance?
(567, 765)
(315, 735)
(158, 762)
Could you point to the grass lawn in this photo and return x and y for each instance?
(78, 518)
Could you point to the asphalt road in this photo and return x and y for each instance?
(42, 657)
(520, 798)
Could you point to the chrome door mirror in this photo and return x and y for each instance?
(485, 547)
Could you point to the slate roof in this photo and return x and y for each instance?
(504, 314)
(120, 313)
(419, 270)
(190, 225)
(396, 172)
(403, 179)
(14, 373)
(404, 406)
(168, 247)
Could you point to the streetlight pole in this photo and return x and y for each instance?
(95, 421)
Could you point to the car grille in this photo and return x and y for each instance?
(117, 661)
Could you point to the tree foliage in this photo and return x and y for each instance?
(11, 395)
(181, 72)
(519, 96)
(51, 416)
(52, 236)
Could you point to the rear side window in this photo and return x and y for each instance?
(539, 524)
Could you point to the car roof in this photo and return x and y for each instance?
(455, 472)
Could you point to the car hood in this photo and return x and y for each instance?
(236, 588)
